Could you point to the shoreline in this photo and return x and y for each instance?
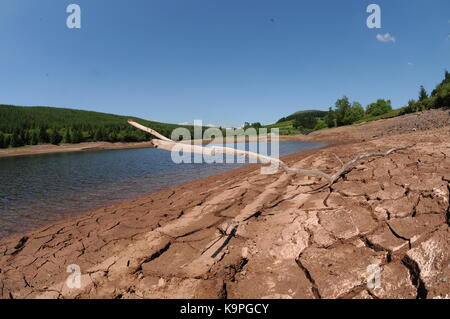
(178, 228)
(68, 148)
(99, 146)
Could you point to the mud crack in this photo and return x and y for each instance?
(414, 272)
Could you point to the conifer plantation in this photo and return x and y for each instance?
(21, 126)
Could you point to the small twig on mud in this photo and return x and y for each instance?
(339, 159)
(225, 243)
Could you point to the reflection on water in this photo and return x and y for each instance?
(41, 188)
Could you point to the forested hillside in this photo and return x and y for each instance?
(41, 125)
(304, 119)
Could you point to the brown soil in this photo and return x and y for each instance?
(389, 212)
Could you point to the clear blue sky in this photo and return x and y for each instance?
(224, 62)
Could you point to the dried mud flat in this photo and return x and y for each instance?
(390, 212)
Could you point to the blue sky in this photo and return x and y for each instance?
(224, 62)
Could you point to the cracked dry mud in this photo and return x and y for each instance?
(392, 212)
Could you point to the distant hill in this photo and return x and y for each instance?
(39, 125)
(298, 122)
(306, 119)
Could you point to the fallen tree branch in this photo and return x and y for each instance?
(149, 130)
(347, 165)
(168, 144)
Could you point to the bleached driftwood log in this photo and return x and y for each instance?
(168, 144)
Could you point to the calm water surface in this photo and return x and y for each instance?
(38, 189)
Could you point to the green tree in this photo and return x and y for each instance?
(112, 137)
(7, 140)
(34, 138)
(2, 140)
(43, 136)
(320, 124)
(330, 118)
(348, 113)
(447, 77)
(256, 125)
(76, 136)
(99, 135)
(440, 85)
(412, 107)
(423, 94)
(55, 137)
(26, 137)
(355, 113)
(342, 107)
(379, 107)
(442, 98)
(297, 125)
(67, 137)
(16, 140)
